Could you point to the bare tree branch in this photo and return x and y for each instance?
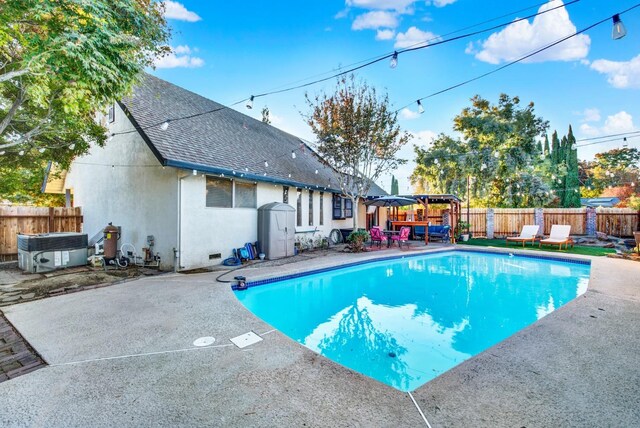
(13, 110)
(13, 74)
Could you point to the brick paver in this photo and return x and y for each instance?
(17, 357)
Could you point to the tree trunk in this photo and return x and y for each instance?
(354, 209)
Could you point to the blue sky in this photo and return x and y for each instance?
(228, 51)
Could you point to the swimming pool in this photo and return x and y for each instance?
(405, 321)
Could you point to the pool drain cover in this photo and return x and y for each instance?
(246, 339)
(204, 341)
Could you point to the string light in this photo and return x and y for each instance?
(250, 103)
(266, 164)
(420, 107)
(41, 149)
(195, 172)
(293, 154)
(72, 146)
(165, 125)
(21, 152)
(394, 60)
(619, 31)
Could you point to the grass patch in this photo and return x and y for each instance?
(577, 249)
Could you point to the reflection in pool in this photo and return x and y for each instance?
(406, 321)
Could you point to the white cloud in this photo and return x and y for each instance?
(591, 115)
(423, 138)
(413, 37)
(618, 123)
(397, 5)
(520, 38)
(620, 74)
(180, 56)
(407, 114)
(385, 34)
(182, 49)
(374, 20)
(175, 10)
(442, 3)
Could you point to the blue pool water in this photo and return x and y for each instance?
(406, 321)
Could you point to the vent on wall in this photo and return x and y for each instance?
(215, 256)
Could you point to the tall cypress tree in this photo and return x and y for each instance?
(394, 185)
(547, 150)
(572, 199)
(562, 172)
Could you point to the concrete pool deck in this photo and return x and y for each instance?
(123, 356)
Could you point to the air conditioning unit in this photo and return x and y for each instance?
(50, 251)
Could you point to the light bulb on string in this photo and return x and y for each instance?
(293, 154)
(266, 164)
(624, 143)
(420, 107)
(619, 31)
(316, 171)
(250, 103)
(195, 172)
(72, 146)
(165, 125)
(496, 154)
(110, 138)
(2, 152)
(41, 149)
(21, 152)
(394, 60)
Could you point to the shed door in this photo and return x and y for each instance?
(279, 234)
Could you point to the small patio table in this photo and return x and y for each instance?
(389, 234)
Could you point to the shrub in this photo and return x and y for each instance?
(356, 240)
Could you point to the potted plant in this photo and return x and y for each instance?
(462, 232)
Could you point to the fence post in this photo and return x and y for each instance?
(538, 215)
(591, 221)
(490, 223)
(51, 220)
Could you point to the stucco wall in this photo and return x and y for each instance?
(207, 231)
(125, 184)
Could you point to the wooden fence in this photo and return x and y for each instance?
(617, 221)
(33, 220)
(509, 221)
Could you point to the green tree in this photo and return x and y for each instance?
(499, 148)
(572, 180)
(265, 115)
(394, 185)
(61, 62)
(357, 135)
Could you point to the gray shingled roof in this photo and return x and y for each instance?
(224, 141)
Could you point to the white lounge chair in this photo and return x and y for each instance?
(559, 235)
(528, 234)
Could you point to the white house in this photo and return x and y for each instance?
(192, 173)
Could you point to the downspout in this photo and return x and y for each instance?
(177, 252)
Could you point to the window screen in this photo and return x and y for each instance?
(245, 195)
(219, 192)
(321, 208)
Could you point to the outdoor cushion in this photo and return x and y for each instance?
(439, 232)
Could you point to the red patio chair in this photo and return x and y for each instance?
(377, 236)
(402, 237)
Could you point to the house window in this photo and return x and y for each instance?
(342, 207)
(299, 208)
(112, 113)
(245, 195)
(310, 207)
(219, 192)
(285, 194)
(321, 209)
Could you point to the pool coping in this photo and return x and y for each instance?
(515, 253)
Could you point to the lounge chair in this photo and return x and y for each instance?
(439, 232)
(377, 236)
(402, 237)
(559, 235)
(528, 234)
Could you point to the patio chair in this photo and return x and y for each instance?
(402, 237)
(528, 234)
(559, 235)
(439, 232)
(377, 236)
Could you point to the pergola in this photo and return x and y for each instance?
(426, 200)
